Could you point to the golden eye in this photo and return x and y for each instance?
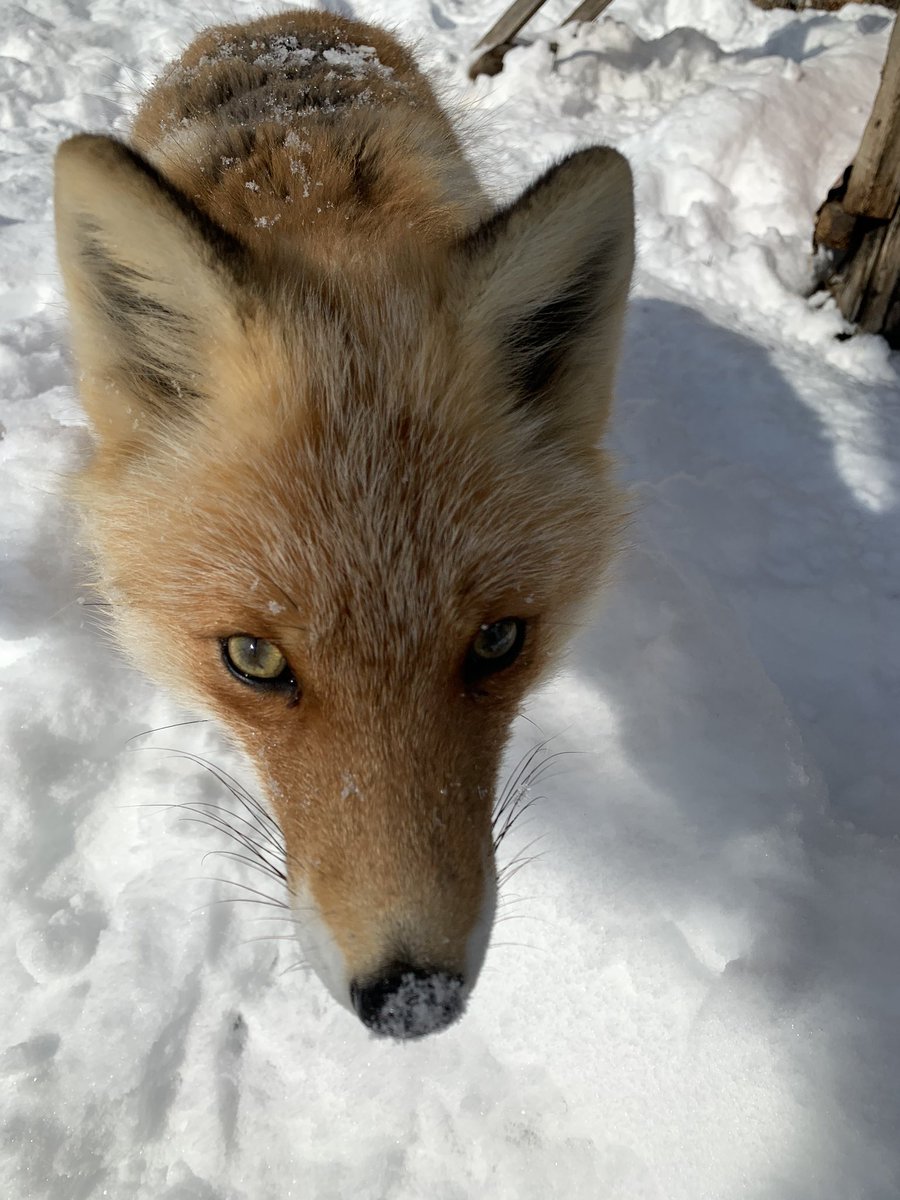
(254, 660)
(494, 648)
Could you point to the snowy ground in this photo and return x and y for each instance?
(698, 998)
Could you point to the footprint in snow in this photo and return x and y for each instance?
(61, 945)
(29, 1056)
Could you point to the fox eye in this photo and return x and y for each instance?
(256, 661)
(495, 647)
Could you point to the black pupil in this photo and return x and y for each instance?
(495, 639)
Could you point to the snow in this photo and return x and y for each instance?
(357, 61)
(694, 988)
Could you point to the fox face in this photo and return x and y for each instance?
(352, 505)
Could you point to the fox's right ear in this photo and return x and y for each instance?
(149, 279)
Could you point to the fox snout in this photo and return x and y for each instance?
(417, 984)
(392, 882)
(413, 976)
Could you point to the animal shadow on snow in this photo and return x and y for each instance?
(712, 650)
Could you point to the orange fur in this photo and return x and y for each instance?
(341, 405)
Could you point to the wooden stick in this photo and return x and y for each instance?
(499, 37)
(587, 10)
(510, 23)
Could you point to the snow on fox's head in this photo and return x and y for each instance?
(354, 512)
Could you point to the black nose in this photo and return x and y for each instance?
(407, 1002)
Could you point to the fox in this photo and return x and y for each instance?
(346, 492)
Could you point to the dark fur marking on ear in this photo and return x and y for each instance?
(164, 393)
(131, 314)
(537, 346)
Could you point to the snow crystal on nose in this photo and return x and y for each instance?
(420, 1005)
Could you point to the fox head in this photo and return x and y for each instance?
(352, 507)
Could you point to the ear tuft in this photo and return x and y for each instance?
(548, 278)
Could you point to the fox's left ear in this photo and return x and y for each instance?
(152, 284)
(545, 281)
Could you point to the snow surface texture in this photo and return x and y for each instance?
(699, 996)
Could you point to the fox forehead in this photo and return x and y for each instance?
(379, 514)
(341, 449)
